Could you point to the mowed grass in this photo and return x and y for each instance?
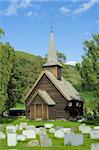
(58, 144)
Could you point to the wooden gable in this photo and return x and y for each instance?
(45, 84)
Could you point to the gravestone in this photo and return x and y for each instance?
(48, 125)
(45, 141)
(31, 134)
(17, 127)
(85, 130)
(42, 131)
(23, 125)
(59, 127)
(81, 126)
(66, 130)
(52, 130)
(33, 143)
(30, 127)
(11, 129)
(21, 137)
(59, 134)
(94, 134)
(11, 139)
(2, 135)
(96, 127)
(73, 139)
(95, 146)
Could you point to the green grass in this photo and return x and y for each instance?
(58, 144)
(20, 105)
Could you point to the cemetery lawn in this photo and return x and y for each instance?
(58, 144)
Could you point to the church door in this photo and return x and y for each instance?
(38, 111)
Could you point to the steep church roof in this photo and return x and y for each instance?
(45, 97)
(52, 54)
(63, 86)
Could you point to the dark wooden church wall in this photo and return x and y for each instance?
(45, 84)
(51, 112)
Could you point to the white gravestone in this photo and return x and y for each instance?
(81, 127)
(66, 130)
(95, 146)
(30, 127)
(45, 141)
(31, 134)
(11, 139)
(96, 127)
(59, 134)
(23, 125)
(33, 143)
(48, 125)
(73, 139)
(52, 130)
(21, 137)
(11, 128)
(43, 131)
(17, 127)
(94, 134)
(86, 130)
(2, 135)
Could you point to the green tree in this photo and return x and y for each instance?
(1, 33)
(61, 57)
(6, 66)
(89, 68)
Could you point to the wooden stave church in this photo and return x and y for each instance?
(52, 97)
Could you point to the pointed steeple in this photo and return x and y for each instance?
(52, 53)
(52, 63)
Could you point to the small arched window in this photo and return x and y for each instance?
(77, 104)
(70, 104)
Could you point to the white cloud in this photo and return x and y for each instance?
(64, 10)
(10, 10)
(15, 5)
(85, 6)
(72, 63)
(31, 13)
(26, 3)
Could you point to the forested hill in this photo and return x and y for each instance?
(29, 67)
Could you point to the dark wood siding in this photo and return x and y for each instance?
(52, 113)
(46, 84)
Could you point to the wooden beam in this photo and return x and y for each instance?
(47, 112)
(34, 111)
(30, 112)
(42, 111)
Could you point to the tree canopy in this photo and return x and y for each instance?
(89, 68)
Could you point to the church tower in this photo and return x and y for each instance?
(52, 63)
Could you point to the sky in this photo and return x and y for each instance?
(27, 25)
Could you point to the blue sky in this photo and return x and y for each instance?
(27, 25)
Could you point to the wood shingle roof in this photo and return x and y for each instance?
(63, 86)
